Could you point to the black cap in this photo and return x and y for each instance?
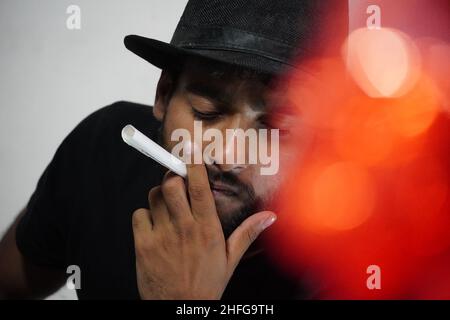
(267, 36)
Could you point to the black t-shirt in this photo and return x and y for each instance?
(80, 213)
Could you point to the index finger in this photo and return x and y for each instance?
(200, 195)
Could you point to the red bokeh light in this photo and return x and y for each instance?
(373, 188)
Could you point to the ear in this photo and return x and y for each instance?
(164, 91)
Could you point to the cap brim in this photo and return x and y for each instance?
(164, 55)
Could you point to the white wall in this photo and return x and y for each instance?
(52, 77)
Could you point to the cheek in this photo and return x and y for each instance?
(263, 185)
(266, 186)
(178, 116)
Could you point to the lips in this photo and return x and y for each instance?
(223, 189)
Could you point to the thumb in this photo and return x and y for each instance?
(245, 234)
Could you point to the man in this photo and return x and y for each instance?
(136, 231)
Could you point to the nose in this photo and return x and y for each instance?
(234, 153)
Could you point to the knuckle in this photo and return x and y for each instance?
(250, 235)
(171, 186)
(174, 193)
(142, 246)
(177, 203)
(211, 237)
(197, 192)
(137, 217)
(153, 194)
(185, 230)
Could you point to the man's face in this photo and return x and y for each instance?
(226, 100)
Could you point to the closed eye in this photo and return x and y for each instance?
(208, 116)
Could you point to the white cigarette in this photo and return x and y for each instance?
(140, 142)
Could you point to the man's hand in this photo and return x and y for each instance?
(181, 252)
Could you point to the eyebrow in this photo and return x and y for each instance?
(209, 91)
(217, 95)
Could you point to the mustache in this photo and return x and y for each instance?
(231, 180)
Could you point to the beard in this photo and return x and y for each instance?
(246, 199)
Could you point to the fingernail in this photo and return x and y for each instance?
(268, 222)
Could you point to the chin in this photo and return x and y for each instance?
(228, 210)
(231, 218)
